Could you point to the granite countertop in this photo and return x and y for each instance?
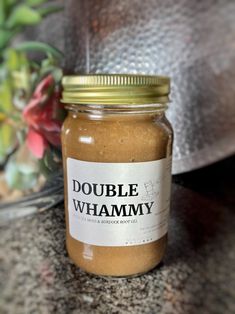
(197, 276)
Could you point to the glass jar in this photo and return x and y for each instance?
(117, 148)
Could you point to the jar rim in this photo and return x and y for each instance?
(115, 89)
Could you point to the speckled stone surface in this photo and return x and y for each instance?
(197, 276)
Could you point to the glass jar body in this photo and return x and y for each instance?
(115, 137)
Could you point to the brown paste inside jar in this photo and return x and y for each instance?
(115, 138)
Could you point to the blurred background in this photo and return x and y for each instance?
(193, 42)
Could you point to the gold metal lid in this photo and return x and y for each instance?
(115, 89)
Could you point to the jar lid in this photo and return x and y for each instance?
(114, 89)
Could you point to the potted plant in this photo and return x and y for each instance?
(30, 111)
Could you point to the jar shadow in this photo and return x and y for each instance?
(195, 222)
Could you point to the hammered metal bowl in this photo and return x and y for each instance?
(191, 41)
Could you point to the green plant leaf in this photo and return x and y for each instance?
(35, 2)
(50, 163)
(19, 71)
(23, 15)
(21, 79)
(12, 60)
(6, 36)
(8, 114)
(50, 66)
(24, 61)
(2, 12)
(19, 176)
(43, 168)
(22, 170)
(7, 141)
(54, 71)
(6, 96)
(10, 3)
(49, 10)
(15, 60)
(49, 160)
(41, 47)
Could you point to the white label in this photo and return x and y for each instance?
(118, 204)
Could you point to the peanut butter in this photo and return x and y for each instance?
(101, 137)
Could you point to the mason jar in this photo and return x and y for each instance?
(117, 155)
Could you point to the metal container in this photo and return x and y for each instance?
(193, 42)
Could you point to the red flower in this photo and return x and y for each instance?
(41, 116)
